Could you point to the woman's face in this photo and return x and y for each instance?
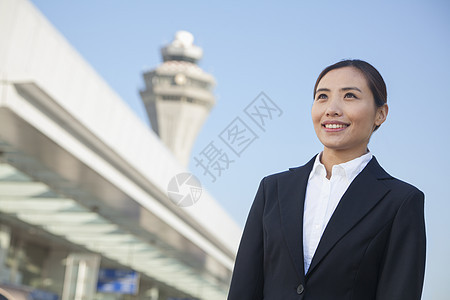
(344, 112)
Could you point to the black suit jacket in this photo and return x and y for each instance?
(372, 248)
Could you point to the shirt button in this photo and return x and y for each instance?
(300, 289)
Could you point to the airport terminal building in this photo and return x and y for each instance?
(84, 209)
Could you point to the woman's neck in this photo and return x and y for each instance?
(330, 158)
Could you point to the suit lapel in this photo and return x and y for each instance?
(361, 196)
(291, 197)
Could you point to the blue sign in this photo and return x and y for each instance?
(118, 281)
(42, 295)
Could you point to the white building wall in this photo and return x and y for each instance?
(31, 50)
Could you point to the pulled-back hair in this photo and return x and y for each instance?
(374, 80)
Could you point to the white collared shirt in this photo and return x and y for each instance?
(322, 197)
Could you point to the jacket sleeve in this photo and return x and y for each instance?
(248, 276)
(403, 267)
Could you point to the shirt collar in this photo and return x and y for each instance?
(318, 168)
(351, 168)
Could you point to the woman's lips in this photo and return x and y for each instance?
(334, 125)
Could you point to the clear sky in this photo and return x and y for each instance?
(280, 48)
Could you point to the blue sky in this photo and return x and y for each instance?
(279, 48)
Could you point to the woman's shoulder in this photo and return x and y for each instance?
(400, 186)
(293, 173)
(395, 184)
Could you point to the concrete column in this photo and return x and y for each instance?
(5, 241)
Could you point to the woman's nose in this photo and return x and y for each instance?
(334, 107)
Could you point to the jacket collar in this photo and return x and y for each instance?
(361, 196)
(291, 197)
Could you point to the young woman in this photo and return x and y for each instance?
(339, 227)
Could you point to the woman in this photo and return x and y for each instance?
(339, 227)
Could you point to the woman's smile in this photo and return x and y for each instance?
(334, 126)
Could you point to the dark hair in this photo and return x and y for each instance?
(373, 77)
(374, 80)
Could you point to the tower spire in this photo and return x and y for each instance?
(178, 95)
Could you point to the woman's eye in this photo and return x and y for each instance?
(321, 96)
(350, 95)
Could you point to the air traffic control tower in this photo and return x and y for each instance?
(178, 95)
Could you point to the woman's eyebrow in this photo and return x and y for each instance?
(351, 88)
(322, 90)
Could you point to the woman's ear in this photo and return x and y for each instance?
(382, 113)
